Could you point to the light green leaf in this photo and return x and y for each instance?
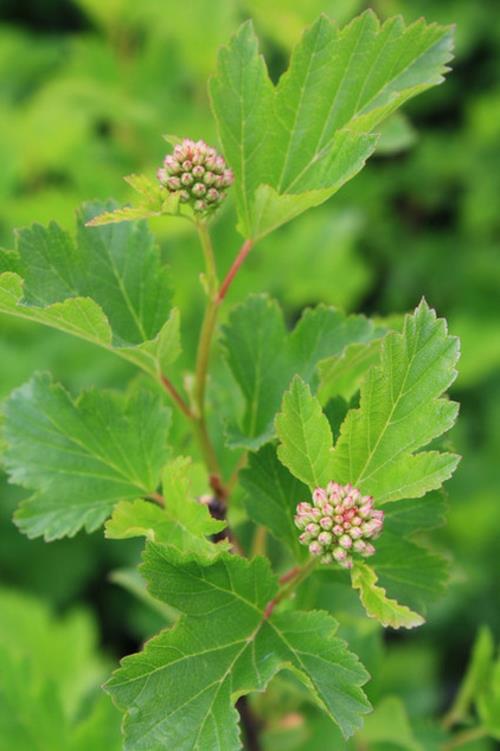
(389, 726)
(400, 412)
(272, 495)
(94, 288)
(81, 457)
(376, 603)
(305, 436)
(293, 145)
(184, 523)
(263, 358)
(488, 703)
(155, 202)
(342, 374)
(227, 643)
(476, 679)
(58, 651)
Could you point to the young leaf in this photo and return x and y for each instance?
(183, 524)
(292, 146)
(81, 457)
(376, 603)
(400, 412)
(227, 643)
(95, 288)
(155, 202)
(272, 495)
(305, 436)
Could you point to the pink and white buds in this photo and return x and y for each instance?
(197, 174)
(339, 523)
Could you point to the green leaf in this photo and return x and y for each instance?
(155, 202)
(58, 651)
(108, 286)
(272, 495)
(49, 672)
(254, 344)
(400, 412)
(488, 703)
(293, 145)
(389, 726)
(476, 679)
(342, 374)
(305, 436)
(416, 515)
(80, 457)
(263, 358)
(227, 643)
(376, 603)
(184, 523)
(409, 572)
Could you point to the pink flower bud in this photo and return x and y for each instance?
(198, 190)
(324, 538)
(359, 546)
(227, 178)
(319, 496)
(345, 541)
(327, 509)
(312, 528)
(327, 558)
(200, 206)
(198, 171)
(173, 183)
(162, 175)
(184, 196)
(326, 522)
(338, 530)
(187, 179)
(339, 554)
(356, 533)
(209, 178)
(304, 508)
(369, 550)
(213, 195)
(315, 548)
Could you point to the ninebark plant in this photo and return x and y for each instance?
(326, 441)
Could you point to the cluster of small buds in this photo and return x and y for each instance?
(338, 523)
(198, 174)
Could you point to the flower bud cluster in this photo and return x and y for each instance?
(338, 523)
(198, 174)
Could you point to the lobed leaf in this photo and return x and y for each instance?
(305, 436)
(80, 457)
(107, 286)
(400, 412)
(179, 692)
(263, 358)
(376, 603)
(295, 144)
(183, 523)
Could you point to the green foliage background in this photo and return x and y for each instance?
(86, 90)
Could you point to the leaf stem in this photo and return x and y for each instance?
(176, 397)
(242, 254)
(292, 579)
(465, 736)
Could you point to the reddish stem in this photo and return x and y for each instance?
(177, 398)
(289, 575)
(243, 252)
